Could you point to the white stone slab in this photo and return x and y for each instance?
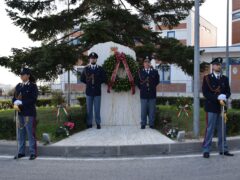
(117, 108)
(115, 136)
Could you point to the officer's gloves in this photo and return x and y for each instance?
(17, 105)
(222, 97)
(17, 102)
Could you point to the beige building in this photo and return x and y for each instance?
(185, 32)
(236, 22)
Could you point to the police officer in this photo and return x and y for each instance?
(147, 81)
(25, 98)
(93, 76)
(216, 90)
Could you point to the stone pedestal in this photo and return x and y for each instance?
(117, 108)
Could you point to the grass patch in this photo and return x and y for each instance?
(46, 122)
(171, 112)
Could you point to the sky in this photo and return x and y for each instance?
(11, 36)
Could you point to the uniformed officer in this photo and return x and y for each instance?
(215, 89)
(25, 98)
(93, 76)
(147, 81)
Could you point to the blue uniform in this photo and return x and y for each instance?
(27, 93)
(93, 77)
(147, 83)
(212, 88)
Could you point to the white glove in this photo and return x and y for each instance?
(17, 102)
(222, 97)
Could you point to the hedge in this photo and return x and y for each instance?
(236, 104)
(233, 123)
(7, 128)
(44, 102)
(170, 101)
(7, 104)
(164, 116)
(173, 100)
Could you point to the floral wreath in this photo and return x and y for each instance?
(113, 64)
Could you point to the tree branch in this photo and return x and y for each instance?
(123, 4)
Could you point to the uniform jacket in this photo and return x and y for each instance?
(212, 88)
(147, 83)
(29, 94)
(93, 78)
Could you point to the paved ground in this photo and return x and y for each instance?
(192, 167)
(115, 135)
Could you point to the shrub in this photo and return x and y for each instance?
(7, 128)
(44, 89)
(173, 100)
(82, 101)
(57, 98)
(233, 123)
(5, 104)
(44, 102)
(236, 104)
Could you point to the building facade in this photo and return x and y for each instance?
(184, 32)
(236, 22)
(173, 81)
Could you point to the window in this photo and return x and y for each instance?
(232, 61)
(236, 15)
(164, 72)
(171, 34)
(235, 60)
(75, 42)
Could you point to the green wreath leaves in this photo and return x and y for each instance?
(121, 84)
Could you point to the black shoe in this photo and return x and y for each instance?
(98, 126)
(89, 126)
(206, 155)
(32, 157)
(142, 127)
(152, 127)
(226, 153)
(19, 156)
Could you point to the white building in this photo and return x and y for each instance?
(173, 80)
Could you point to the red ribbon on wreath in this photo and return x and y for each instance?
(120, 57)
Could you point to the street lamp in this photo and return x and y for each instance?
(69, 88)
(196, 82)
(227, 41)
